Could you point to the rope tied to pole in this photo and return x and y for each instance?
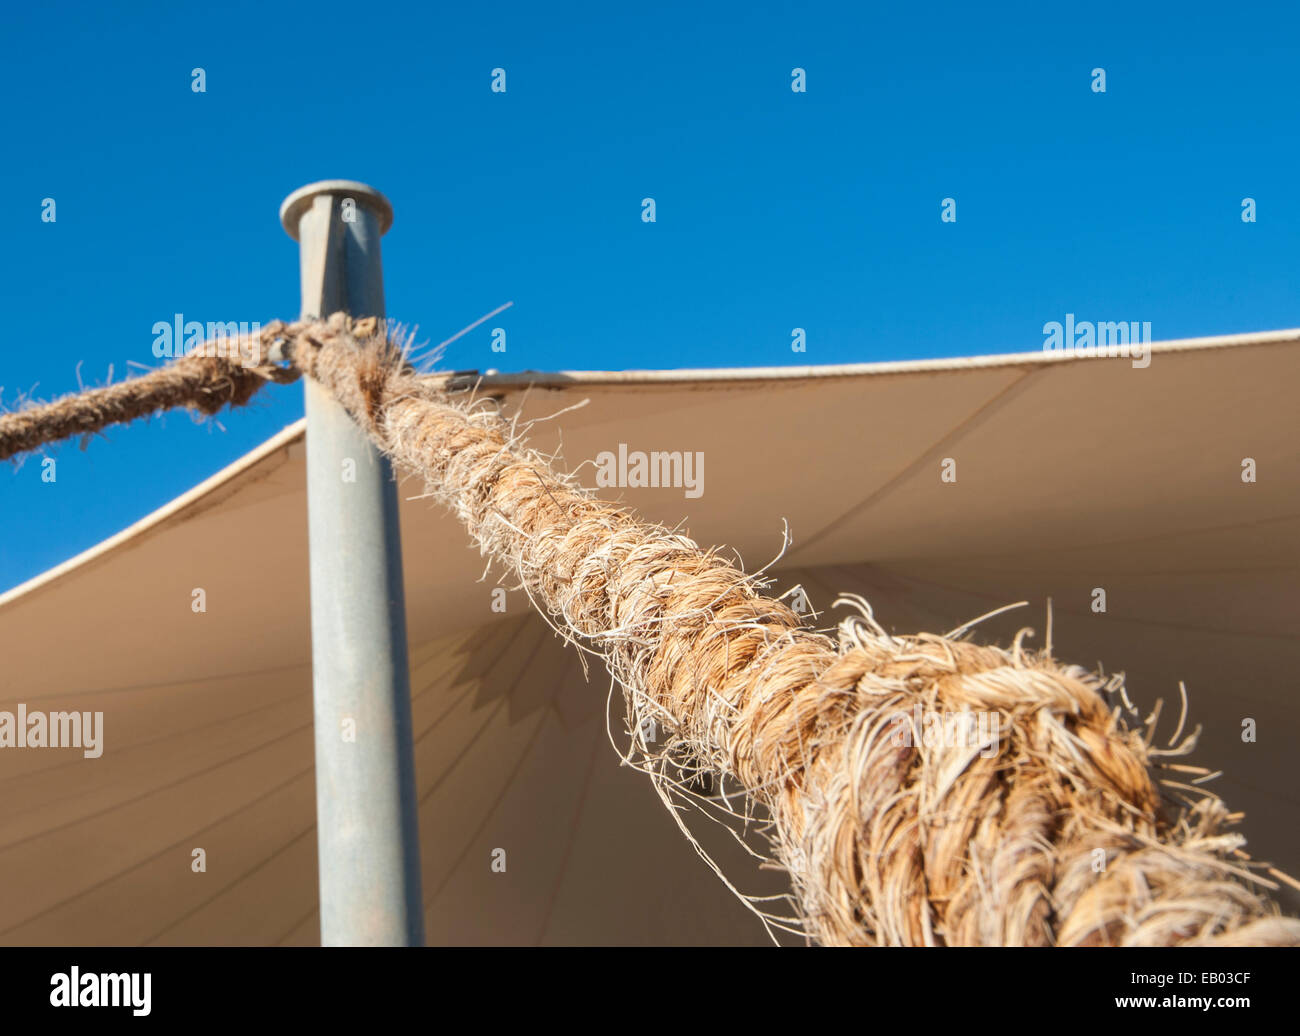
(1049, 828)
(214, 376)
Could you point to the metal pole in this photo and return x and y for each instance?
(367, 836)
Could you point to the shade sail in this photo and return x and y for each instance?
(1072, 474)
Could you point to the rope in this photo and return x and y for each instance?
(1048, 830)
(206, 380)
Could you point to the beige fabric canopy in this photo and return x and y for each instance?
(1072, 474)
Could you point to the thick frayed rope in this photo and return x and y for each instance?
(1047, 829)
(1052, 834)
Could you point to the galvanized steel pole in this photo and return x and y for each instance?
(367, 838)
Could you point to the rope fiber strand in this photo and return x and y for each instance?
(1050, 830)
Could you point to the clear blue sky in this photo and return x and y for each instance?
(775, 210)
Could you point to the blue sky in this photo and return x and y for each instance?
(774, 210)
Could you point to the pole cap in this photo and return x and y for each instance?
(293, 207)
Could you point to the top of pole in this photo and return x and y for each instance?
(293, 207)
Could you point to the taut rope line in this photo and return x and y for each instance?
(212, 377)
(1051, 831)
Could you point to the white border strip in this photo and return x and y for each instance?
(568, 379)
